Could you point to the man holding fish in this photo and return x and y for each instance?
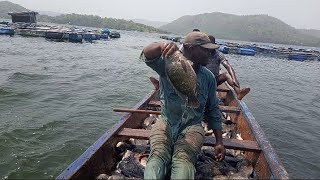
(187, 96)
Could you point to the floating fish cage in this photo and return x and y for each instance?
(224, 49)
(75, 37)
(54, 35)
(31, 32)
(114, 34)
(104, 36)
(298, 54)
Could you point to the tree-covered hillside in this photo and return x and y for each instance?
(155, 24)
(258, 28)
(6, 7)
(80, 20)
(98, 22)
(311, 32)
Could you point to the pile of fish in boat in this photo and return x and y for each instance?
(134, 154)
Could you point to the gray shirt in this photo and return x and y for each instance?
(215, 61)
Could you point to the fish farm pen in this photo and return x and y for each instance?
(252, 49)
(25, 24)
(57, 33)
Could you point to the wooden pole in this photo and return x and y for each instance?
(136, 111)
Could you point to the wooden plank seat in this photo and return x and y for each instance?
(222, 96)
(243, 145)
(230, 109)
(220, 89)
(155, 103)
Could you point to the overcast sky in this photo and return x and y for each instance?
(297, 13)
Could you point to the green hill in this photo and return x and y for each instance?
(98, 22)
(80, 20)
(257, 28)
(6, 7)
(311, 32)
(155, 24)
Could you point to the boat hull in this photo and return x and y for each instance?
(101, 158)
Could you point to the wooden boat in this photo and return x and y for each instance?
(100, 157)
(114, 34)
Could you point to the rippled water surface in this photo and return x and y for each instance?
(56, 100)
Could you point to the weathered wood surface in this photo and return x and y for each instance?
(136, 111)
(227, 109)
(244, 145)
(98, 158)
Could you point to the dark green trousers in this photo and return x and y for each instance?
(178, 152)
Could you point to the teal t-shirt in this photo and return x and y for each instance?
(173, 108)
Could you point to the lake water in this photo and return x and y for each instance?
(56, 100)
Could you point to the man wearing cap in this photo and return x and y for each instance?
(177, 136)
(218, 58)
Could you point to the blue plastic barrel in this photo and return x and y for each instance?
(298, 57)
(104, 36)
(88, 37)
(6, 31)
(105, 31)
(250, 47)
(224, 49)
(247, 52)
(75, 37)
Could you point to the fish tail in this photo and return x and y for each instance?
(193, 102)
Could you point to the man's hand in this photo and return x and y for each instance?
(219, 152)
(168, 49)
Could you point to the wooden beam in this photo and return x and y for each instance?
(230, 109)
(243, 145)
(227, 109)
(136, 111)
(154, 103)
(222, 96)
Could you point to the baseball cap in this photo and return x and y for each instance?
(199, 38)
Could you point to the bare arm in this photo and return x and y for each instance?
(213, 114)
(219, 147)
(218, 135)
(231, 72)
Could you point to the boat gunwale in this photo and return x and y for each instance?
(275, 165)
(90, 152)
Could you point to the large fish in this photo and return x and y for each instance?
(183, 78)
